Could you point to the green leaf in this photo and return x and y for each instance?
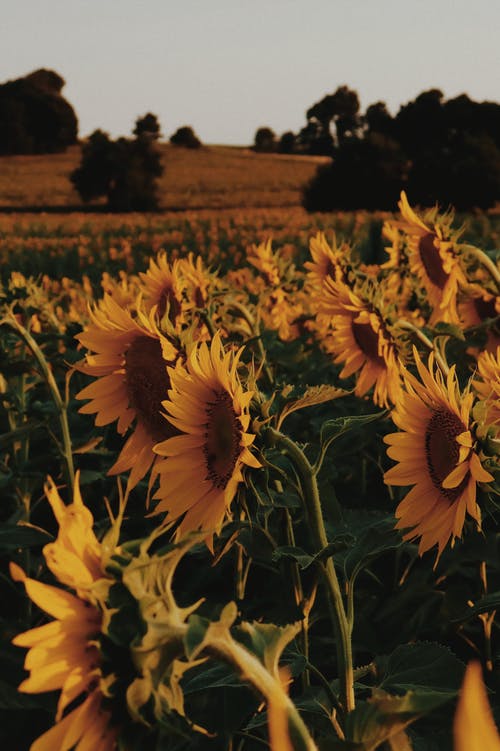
(423, 666)
(364, 535)
(292, 553)
(15, 435)
(14, 536)
(332, 429)
(485, 605)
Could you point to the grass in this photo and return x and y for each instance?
(213, 177)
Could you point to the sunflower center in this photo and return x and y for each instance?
(442, 451)
(485, 308)
(147, 384)
(222, 439)
(168, 297)
(367, 340)
(432, 261)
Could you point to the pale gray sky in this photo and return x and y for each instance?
(227, 67)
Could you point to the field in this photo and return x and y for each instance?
(212, 177)
(249, 467)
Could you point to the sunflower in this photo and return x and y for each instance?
(204, 464)
(163, 285)
(326, 261)
(130, 367)
(64, 654)
(478, 305)
(436, 454)
(488, 387)
(266, 262)
(434, 260)
(362, 341)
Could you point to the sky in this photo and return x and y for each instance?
(227, 67)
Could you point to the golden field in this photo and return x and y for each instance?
(211, 177)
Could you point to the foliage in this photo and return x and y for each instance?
(309, 618)
(185, 137)
(125, 170)
(264, 140)
(34, 116)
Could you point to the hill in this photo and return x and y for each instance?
(211, 177)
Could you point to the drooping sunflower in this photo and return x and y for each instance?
(361, 340)
(64, 653)
(436, 453)
(130, 366)
(203, 465)
(434, 259)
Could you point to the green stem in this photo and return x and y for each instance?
(53, 388)
(299, 598)
(266, 684)
(407, 326)
(342, 628)
(485, 261)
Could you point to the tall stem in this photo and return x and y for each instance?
(342, 628)
(485, 261)
(53, 388)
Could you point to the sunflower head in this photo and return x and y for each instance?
(437, 455)
(209, 408)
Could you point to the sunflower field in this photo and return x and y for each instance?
(250, 482)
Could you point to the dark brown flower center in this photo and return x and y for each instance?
(432, 261)
(367, 340)
(485, 308)
(222, 439)
(442, 450)
(169, 298)
(147, 384)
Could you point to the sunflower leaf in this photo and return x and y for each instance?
(13, 536)
(333, 429)
(486, 604)
(312, 396)
(423, 667)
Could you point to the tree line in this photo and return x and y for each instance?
(437, 150)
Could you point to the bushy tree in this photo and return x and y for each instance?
(287, 143)
(186, 138)
(34, 117)
(147, 127)
(366, 174)
(264, 140)
(125, 171)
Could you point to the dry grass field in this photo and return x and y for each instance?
(213, 177)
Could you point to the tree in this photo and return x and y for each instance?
(34, 117)
(125, 171)
(264, 140)
(340, 109)
(287, 143)
(366, 173)
(185, 137)
(147, 126)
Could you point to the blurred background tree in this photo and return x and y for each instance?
(264, 140)
(186, 138)
(34, 116)
(125, 171)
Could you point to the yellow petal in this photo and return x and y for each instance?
(473, 727)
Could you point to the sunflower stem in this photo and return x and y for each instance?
(342, 627)
(227, 649)
(299, 599)
(407, 326)
(61, 406)
(485, 261)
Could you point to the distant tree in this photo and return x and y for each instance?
(147, 126)
(34, 117)
(185, 137)
(264, 140)
(125, 171)
(366, 173)
(340, 110)
(287, 143)
(378, 119)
